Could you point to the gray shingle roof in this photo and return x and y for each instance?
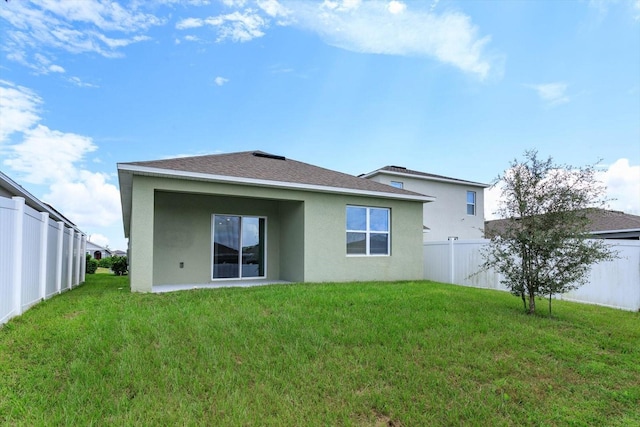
(262, 166)
(601, 220)
(403, 170)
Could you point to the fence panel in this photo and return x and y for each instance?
(437, 261)
(7, 229)
(30, 257)
(35, 262)
(613, 284)
(66, 253)
(52, 258)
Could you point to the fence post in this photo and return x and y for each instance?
(69, 261)
(16, 280)
(76, 256)
(44, 234)
(83, 258)
(60, 248)
(452, 267)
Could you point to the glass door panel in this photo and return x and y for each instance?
(252, 247)
(238, 247)
(226, 246)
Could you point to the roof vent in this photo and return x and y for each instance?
(399, 167)
(268, 156)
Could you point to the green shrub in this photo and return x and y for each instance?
(106, 262)
(91, 265)
(119, 265)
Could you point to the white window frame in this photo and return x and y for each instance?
(368, 232)
(474, 204)
(397, 184)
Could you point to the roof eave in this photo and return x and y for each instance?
(426, 178)
(624, 230)
(126, 172)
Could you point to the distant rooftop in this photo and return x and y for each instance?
(401, 170)
(604, 223)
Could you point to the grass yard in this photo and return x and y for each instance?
(400, 354)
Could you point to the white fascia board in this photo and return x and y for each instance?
(167, 173)
(426, 178)
(624, 230)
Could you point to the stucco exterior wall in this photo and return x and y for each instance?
(182, 234)
(447, 215)
(306, 233)
(325, 241)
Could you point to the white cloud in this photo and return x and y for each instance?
(379, 27)
(88, 200)
(31, 28)
(238, 26)
(623, 184)
(393, 29)
(19, 109)
(396, 7)
(189, 23)
(272, 7)
(98, 239)
(78, 82)
(46, 155)
(54, 159)
(220, 80)
(551, 93)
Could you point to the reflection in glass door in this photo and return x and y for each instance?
(238, 246)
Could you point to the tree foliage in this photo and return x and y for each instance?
(91, 264)
(119, 266)
(543, 247)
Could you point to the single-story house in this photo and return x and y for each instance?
(458, 210)
(97, 251)
(603, 224)
(254, 217)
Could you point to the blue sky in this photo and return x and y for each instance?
(457, 88)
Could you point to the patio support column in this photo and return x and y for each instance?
(141, 236)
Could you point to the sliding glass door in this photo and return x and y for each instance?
(238, 247)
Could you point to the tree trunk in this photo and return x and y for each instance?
(532, 302)
(524, 300)
(550, 303)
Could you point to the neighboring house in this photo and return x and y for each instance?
(255, 217)
(97, 251)
(118, 252)
(604, 224)
(458, 209)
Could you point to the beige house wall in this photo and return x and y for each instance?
(447, 215)
(306, 236)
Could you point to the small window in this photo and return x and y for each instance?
(471, 202)
(397, 184)
(368, 231)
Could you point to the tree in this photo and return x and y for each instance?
(119, 265)
(543, 247)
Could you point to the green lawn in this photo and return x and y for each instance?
(411, 353)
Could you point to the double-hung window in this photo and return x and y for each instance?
(368, 231)
(471, 202)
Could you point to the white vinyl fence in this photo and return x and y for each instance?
(39, 257)
(613, 284)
